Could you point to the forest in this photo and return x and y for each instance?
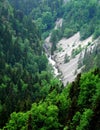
(31, 97)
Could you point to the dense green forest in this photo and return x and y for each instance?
(31, 98)
(22, 62)
(82, 16)
(78, 15)
(76, 107)
(44, 12)
(91, 58)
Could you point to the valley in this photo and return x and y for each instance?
(49, 65)
(67, 71)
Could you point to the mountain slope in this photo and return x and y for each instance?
(78, 31)
(31, 97)
(76, 107)
(22, 62)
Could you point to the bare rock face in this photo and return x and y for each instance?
(58, 23)
(65, 1)
(67, 54)
(48, 44)
(72, 47)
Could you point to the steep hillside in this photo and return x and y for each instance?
(71, 54)
(82, 16)
(23, 65)
(76, 107)
(78, 16)
(31, 96)
(72, 35)
(44, 12)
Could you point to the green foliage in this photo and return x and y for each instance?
(17, 121)
(96, 32)
(85, 119)
(87, 89)
(24, 78)
(91, 57)
(55, 37)
(21, 62)
(86, 31)
(44, 12)
(76, 51)
(68, 32)
(81, 16)
(76, 120)
(66, 59)
(96, 97)
(72, 107)
(47, 20)
(42, 115)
